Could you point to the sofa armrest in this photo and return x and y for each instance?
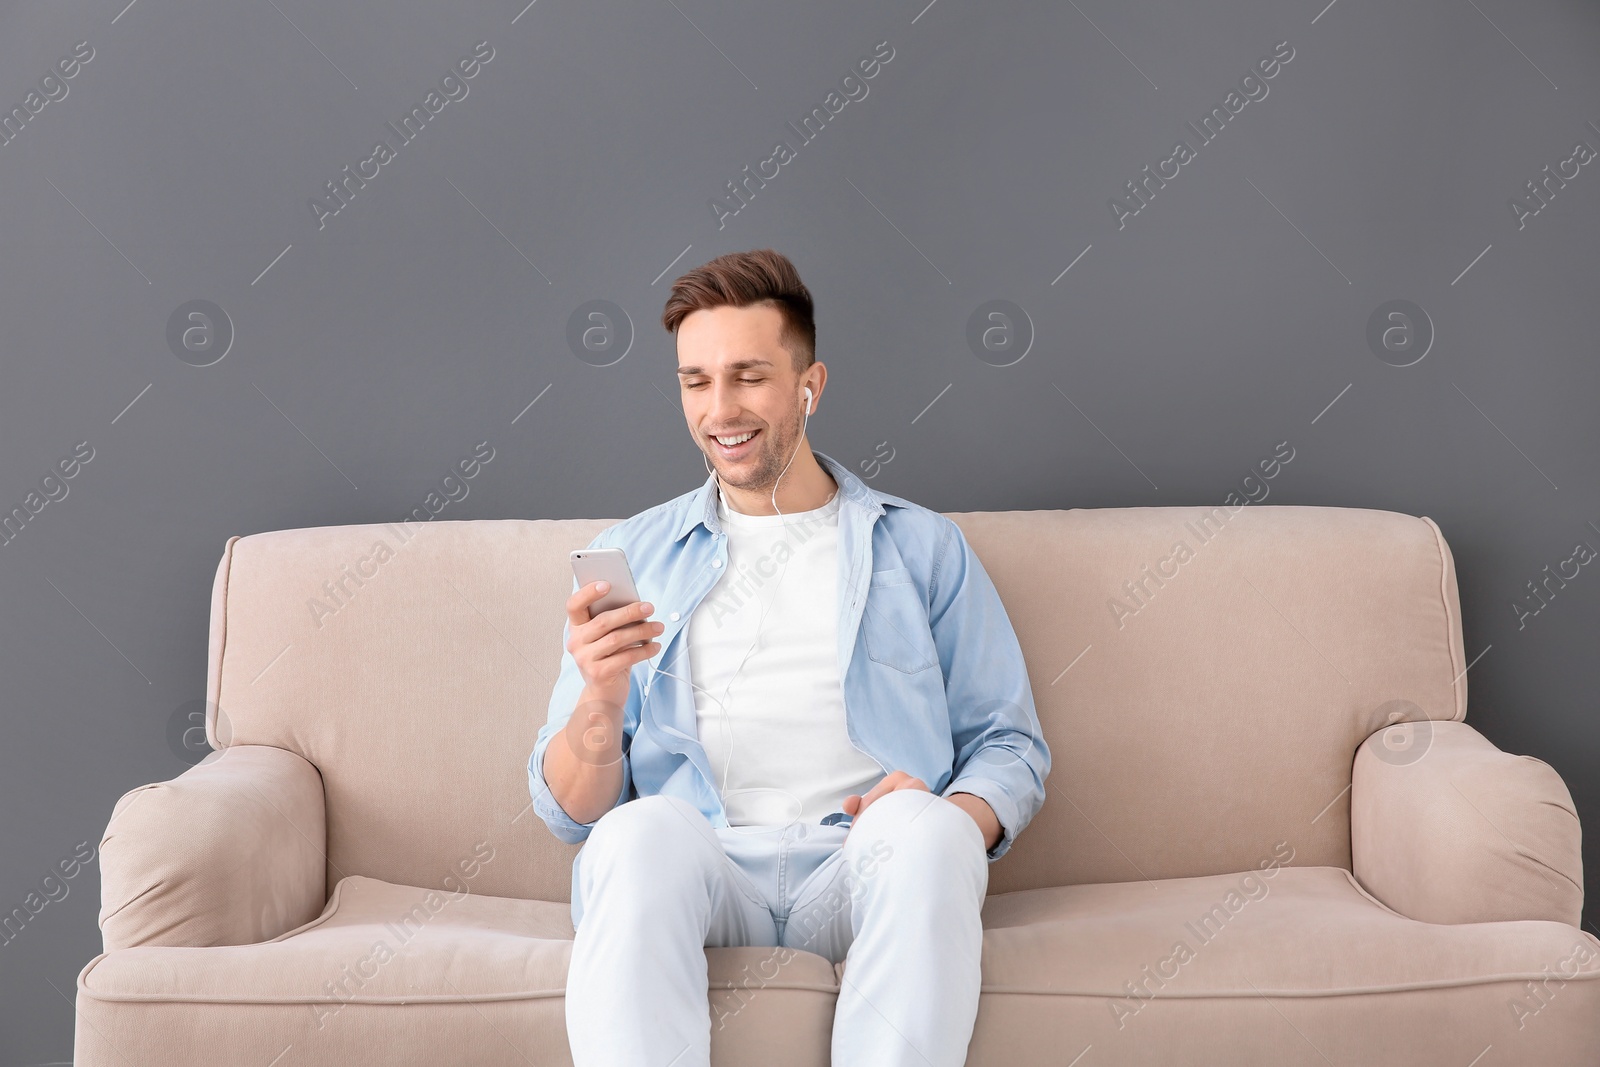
(1446, 828)
(230, 852)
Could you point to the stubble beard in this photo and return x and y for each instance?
(776, 445)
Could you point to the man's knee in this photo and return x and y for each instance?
(651, 828)
(902, 808)
(912, 821)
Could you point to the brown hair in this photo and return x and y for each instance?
(740, 279)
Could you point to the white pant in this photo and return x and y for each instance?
(899, 900)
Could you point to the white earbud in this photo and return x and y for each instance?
(808, 400)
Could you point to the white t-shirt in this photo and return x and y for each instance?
(784, 731)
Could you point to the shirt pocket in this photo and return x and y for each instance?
(896, 623)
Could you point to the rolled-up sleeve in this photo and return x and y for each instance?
(1000, 750)
(563, 701)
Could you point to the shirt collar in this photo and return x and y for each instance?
(700, 507)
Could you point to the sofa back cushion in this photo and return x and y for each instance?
(1203, 677)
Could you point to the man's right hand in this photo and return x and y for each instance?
(605, 646)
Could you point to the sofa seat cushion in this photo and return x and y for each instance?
(1292, 931)
(485, 978)
(376, 942)
(1288, 965)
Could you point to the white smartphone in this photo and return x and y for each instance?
(591, 565)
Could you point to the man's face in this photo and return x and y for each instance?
(735, 377)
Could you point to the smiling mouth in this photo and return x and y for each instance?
(735, 446)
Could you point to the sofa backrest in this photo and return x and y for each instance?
(1203, 676)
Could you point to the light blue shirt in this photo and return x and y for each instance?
(933, 679)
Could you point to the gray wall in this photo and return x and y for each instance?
(373, 350)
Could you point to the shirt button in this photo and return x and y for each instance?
(673, 616)
(716, 563)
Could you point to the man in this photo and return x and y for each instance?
(815, 731)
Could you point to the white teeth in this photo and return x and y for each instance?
(729, 442)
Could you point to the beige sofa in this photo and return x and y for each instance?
(1270, 837)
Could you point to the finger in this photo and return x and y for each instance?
(885, 785)
(619, 639)
(618, 664)
(578, 603)
(627, 613)
(592, 630)
(897, 780)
